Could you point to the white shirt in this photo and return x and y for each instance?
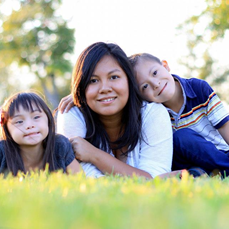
(152, 154)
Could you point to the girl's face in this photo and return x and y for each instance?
(28, 128)
(108, 91)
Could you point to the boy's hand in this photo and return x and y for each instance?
(176, 173)
(224, 131)
(66, 104)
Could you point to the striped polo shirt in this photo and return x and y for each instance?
(202, 111)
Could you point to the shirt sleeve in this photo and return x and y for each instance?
(216, 112)
(3, 165)
(156, 146)
(64, 150)
(72, 124)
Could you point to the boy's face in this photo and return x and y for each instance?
(155, 82)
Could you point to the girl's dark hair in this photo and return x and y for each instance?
(12, 149)
(130, 132)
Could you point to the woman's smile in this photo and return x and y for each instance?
(108, 91)
(107, 100)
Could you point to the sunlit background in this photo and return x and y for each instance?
(153, 26)
(136, 25)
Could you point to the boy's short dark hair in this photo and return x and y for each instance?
(134, 59)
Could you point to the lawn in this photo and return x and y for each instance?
(67, 201)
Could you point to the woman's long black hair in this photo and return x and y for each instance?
(12, 150)
(130, 132)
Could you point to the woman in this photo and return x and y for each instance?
(112, 131)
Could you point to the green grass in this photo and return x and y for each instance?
(62, 201)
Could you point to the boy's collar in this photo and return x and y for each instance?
(186, 86)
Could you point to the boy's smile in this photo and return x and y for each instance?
(155, 82)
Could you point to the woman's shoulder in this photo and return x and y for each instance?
(72, 123)
(152, 108)
(73, 113)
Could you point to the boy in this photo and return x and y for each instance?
(199, 120)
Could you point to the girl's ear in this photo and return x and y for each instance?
(165, 64)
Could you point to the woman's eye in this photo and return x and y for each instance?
(155, 73)
(93, 81)
(144, 87)
(114, 77)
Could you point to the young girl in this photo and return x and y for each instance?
(29, 139)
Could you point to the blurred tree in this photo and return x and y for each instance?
(34, 35)
(205, 32)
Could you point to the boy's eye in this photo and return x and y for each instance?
(155, 73)
(114, 77)
(145, 86)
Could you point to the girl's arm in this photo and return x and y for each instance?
(74, 167)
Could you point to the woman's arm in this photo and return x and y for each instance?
(86, 152)
(155, 152)
(72, 124)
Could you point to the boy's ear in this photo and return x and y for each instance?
(165, 64)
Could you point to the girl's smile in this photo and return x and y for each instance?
(28, 127)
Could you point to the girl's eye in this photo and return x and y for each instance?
(114, 77)
(19, 122)
(145, 86)
(92, 81)
(37, 117)
(155, 73)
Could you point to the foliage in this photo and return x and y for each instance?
(34, 35)
(73, 201)
(205, 32)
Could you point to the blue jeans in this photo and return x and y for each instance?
(191, 149)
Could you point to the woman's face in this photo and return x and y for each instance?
(107, 92)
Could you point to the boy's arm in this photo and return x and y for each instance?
(66, 104)
(224, 131)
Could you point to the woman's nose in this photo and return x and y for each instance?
(105, 87)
